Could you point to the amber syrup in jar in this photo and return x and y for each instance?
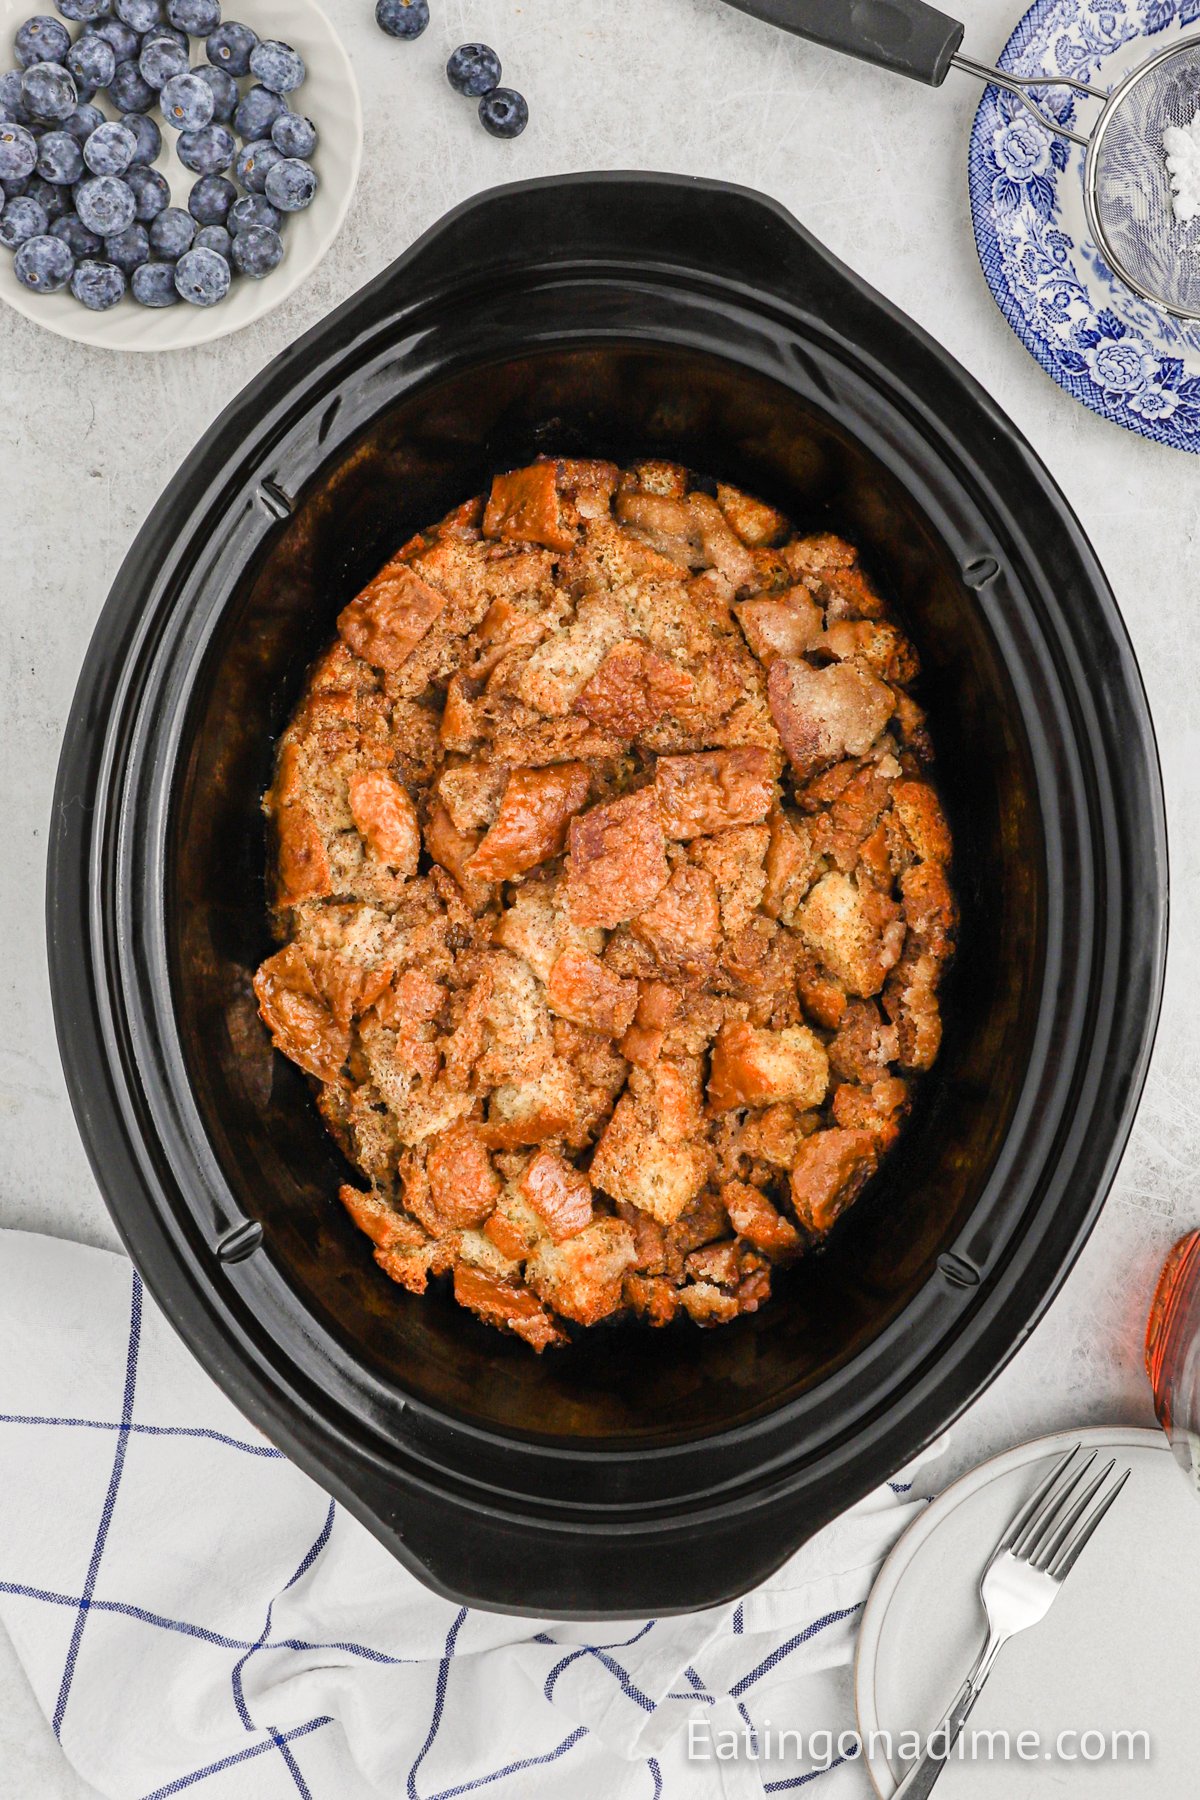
(1173, 1353)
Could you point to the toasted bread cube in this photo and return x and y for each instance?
(757, 524)
(761, 1224)
(617, 860)
(582, 1278)
(752, 1066)
(777, 625)
(632, 689)
(387, 621)
(301, 1024)
(559, 1194)
(462, 1182)
(823, 715)
(698, 795)
(652, 1154)
(855, 930)
(585, 990)
(531, 825)
(830, 1171)
(386, 817)
(525, 507)
(507, 1305)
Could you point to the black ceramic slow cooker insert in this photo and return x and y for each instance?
(637, 1471)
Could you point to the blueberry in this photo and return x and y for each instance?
(202, 278)
(82, 12)
(207, 152)
(124, 40)
(277, 66)
(150, 190)
(504, 112)
(255, 163)
(161, 58)
(172, 36)
(172, 232)
(59, 158)
(76, 236)
(92, 62)
(48, 92)
(291, 185)
(402, 18)
(22, 218)
(229, 47)
(129, 249)
(187, 103)
(224, 90)
(257, 111)
(140, 15)
(473, 69)
(110, 149)
(256, 251)
(12, 107)
(294, 135)
(44, 264)
(105, 204)
(53, 200)
(14, 190)
(82, 122)
(41, 39)
(147, 136)
(252, 212)
(153, 284)
(199, 17)
(98, 284)
(18, 151)
(129, 90)
(214, 237)
(210, 199)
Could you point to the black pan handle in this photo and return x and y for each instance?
(902, 35)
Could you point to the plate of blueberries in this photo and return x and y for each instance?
(169, 171)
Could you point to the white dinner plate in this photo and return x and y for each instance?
(1119, 1649)
(329, 97)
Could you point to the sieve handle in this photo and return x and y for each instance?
(902, 35)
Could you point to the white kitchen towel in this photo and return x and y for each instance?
(194, 1613)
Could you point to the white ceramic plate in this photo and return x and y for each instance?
(1120, 1647)
(329, 98)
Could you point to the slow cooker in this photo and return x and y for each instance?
(635, 1472)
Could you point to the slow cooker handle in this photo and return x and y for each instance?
(902, 35)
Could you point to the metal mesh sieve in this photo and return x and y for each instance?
(1128, 189)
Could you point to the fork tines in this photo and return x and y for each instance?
(1055, 1523)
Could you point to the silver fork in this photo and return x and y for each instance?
(1027, 1568)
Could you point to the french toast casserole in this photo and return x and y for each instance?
(613, 897)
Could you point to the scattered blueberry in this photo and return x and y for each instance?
(171, 233)
(18, 151)
(199, 17)
(202, 277)
(92, 61)
(98, 285)
(75, 235)
(187, 103)
(129, 249)
(48, 92)
(255, 162)
(277, 66)
(44, 264)
(105, 204)
(82, 12)
(294, 135)
(229, 47)
(402, 18)
(291, 185)
(54, 200)
(41, 39)
(224, 90)
(252, 212)
(151, 191)
(256, 251)
(173, 36)
(474, 70)
(140, 15)
(504, 112)
(207, 152)
(124, 40)
(59, 158)
(257, 111)
(82, 122)
(210, 200)
(153, 284)
(161, 58)
(147, 134)
(12, 107)
(110, 149)
(129, 90)
(214, 237)
(14, 190)
(22, 218)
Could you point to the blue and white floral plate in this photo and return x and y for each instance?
(1121, 357)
